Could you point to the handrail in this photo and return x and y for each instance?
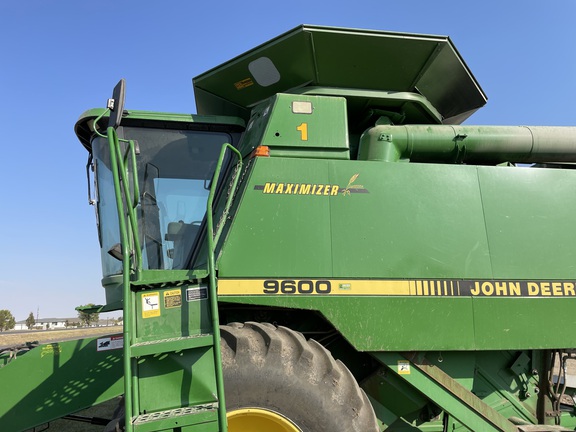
(126, 203)
(118, 172)
(226, 210)
(212, 241)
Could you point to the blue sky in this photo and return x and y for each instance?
(62, 57)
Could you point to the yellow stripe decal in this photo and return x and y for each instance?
(388, 287)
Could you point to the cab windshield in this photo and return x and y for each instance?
(175, 168)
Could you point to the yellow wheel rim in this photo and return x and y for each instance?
(259, 420)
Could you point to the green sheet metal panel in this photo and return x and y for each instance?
(530, 221)
(176, 379)
(59, 378)
(295, 126)
(413, 221)
(375, 224)
(373, 323)
(346, 58)
(300, 122)
(391, 323)
(175, 369)
(530, 224)
(179, 310)
(369, 220)
(379, 60)
(232, 87)
(277, 232)
(522, 323)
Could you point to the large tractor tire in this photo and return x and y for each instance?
(277, 381)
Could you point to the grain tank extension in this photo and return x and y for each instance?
(326, 247)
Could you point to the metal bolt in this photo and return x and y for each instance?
(385, 137)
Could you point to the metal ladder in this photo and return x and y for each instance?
(172, 376)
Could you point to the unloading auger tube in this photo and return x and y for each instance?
(469, 144)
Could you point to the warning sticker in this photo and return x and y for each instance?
(110, 343)
(150, 305)
(172, 298)
(199, 293)
(51, 349)
(246, 82)
(403, 367)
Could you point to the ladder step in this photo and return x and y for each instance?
(171, 345)
(204, 416)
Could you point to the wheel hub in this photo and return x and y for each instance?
(259, 420)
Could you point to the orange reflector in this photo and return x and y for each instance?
(261, 151)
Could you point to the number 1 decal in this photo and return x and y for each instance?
(303, 128)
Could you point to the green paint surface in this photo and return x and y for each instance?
(410, 221)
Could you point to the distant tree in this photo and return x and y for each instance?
(66, 324)
(87, 318)
(30, 321)
(7, 321)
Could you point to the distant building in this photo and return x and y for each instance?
(61, 323)
(47, 323)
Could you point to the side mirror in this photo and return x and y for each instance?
(116, 104)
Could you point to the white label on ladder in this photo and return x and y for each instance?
(110, 343)
(150, 305)
(197, 293)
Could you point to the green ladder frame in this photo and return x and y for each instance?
(202, 417)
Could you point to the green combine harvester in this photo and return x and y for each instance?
(323, 248)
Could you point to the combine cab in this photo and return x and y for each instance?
(324, 247)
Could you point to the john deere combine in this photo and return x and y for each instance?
(324, 248)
